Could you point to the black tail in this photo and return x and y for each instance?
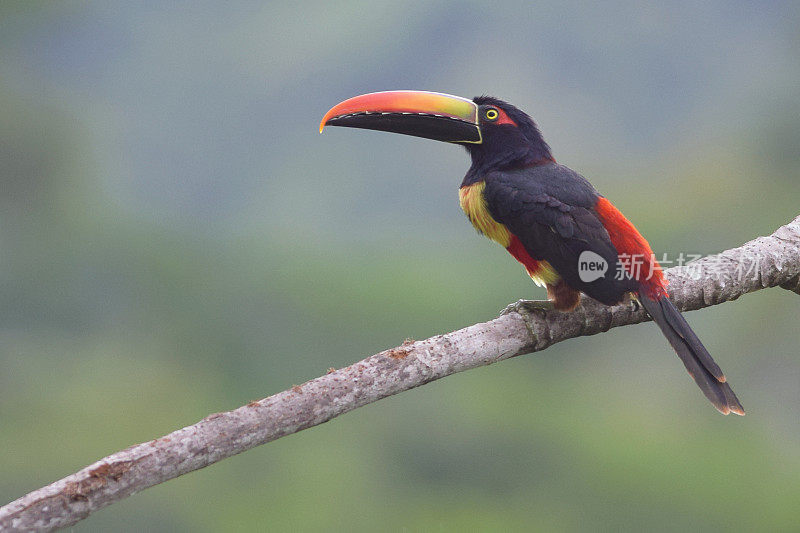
(694, 355)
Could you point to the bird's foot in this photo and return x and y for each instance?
(528, 307)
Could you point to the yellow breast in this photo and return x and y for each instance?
(474, 205)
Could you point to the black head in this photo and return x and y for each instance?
(497, 135)
(510, 139)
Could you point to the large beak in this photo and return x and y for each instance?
(437, 116)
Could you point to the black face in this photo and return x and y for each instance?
(495, 112)
(488, 114)
(510, 139)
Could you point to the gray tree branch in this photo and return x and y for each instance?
(764, 262)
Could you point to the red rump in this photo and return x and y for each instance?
(634, 252)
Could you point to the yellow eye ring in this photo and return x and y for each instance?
(491, 114)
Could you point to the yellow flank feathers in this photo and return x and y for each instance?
(546, 275)
(474, 205)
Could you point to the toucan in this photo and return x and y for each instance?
(569, 237)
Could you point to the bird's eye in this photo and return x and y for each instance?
(491, 114)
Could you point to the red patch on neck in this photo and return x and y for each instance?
(542, 161)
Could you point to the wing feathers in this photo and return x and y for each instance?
(550, 208)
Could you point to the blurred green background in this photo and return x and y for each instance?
(177, 239)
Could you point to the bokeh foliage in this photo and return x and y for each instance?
(176, 239)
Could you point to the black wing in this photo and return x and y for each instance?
(550, 208)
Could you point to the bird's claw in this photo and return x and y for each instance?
(527, 307)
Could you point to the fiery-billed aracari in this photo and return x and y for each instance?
(569, 238)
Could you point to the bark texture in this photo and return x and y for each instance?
(764, 262)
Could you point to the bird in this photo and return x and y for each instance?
(568, 237)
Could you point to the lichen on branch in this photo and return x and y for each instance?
(771, 261)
